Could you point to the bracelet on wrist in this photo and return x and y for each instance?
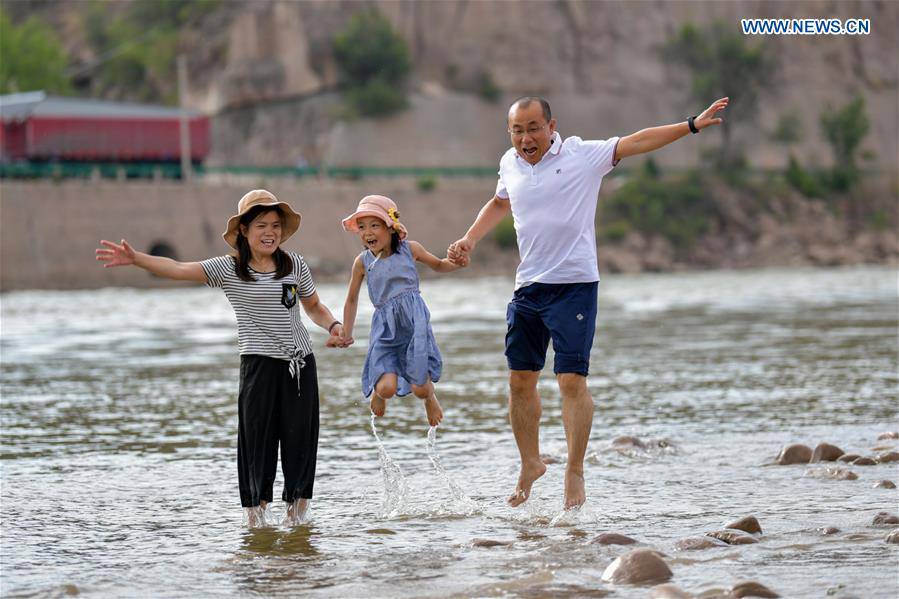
(333, 324)
(692, 125)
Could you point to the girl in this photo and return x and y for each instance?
(402, 353)
(278, 397)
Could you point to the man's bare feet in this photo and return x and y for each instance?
(529, 473)
(435, 412)
(575, 496)
(378, 404)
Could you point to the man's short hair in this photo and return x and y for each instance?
(525, 101)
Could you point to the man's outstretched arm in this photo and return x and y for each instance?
(647, 140)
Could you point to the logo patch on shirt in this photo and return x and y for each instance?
(288, 295)
(558, 171)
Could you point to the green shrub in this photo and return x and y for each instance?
(845, 128)
(426, 183)
(615, 232)
(676, 207)
(373, 62)
(31, 57)
(376, 98)
(504, 233)
(487, 87)
(801, 180)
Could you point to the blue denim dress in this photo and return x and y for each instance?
(401, 340)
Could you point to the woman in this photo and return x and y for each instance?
(278, 398)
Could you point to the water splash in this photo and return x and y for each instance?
(395, 488)
(255, 517)
(460, 500)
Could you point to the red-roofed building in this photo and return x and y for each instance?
(38, 127)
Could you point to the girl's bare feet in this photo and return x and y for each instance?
(378, 404)
(435, 412)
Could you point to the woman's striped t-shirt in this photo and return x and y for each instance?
(267, 309)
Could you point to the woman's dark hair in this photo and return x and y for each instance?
(283, 263)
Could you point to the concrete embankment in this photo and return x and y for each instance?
(48, 231)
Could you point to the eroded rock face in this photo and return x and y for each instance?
(733, 537)
(613, 538)
(794, 454)
(751, 589)
(748, 524)
(640, 566)
(887, 457)
(885, 519)
(825, 452)
(884, 484)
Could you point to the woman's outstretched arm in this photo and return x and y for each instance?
(122, 254)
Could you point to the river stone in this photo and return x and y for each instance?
(794, 454)
(828, 530)
(832, 473)
(639, 566)
(848, 457)
(613, 538)
(733, 537)
(748, 524)
(890, 456)
(489, 543)
(884, 519)
(628, 441)
(864, 461)
(825, 452)
(668, 591)
(884, 484)
(892, 536)
(888, 435)
(695, 543)
(751, 589)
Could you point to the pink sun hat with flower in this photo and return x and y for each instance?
(379, 206)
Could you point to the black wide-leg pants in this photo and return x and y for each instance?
(271, 410)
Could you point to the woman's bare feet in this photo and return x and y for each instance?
(435, 412)
(529, 473)
(378, 404)
(296, 511)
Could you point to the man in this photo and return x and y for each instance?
(551, 187)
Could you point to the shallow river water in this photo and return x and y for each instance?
(119, 419)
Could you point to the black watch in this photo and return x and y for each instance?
(690, 124)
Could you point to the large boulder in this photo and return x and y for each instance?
(640, 566)
(885, 519)
(892, 536)
(825, 452)
(887, 457)
(888, 435)
(748, 524)
(733, 537)
(884, 484)
(613, 538)
(751, 589)
(794, 454)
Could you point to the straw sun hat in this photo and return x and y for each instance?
(262, 197)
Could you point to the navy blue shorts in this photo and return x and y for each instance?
(565, 313)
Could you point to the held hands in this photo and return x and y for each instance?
(338, 338)
(459, 252)
(115, 255)
(707, 117)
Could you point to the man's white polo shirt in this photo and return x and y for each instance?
(554, 208)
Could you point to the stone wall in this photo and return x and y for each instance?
(49, 231)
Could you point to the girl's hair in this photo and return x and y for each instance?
(394, 242)
(283, 263)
